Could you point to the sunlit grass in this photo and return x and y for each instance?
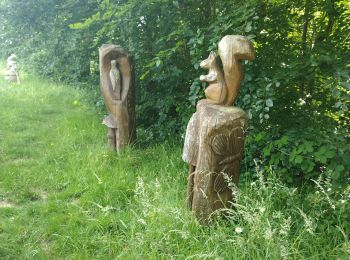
(63, 194)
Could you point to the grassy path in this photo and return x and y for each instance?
(61, 191)
(64, 195)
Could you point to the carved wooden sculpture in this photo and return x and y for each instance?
(225, 73)
(117, 87)
(11, 69)
(215, 133)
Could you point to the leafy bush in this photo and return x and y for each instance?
(299, 156)
(296, 92)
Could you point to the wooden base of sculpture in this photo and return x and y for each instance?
(12, 78)
(213, 149)
(112, 138)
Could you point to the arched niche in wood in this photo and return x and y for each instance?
(121, 118)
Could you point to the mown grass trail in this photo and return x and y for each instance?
(61, 191)
(64, 195)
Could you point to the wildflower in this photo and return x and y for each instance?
(310, 226)
(283, 232)
(285, 227)
(140, 189)
(238, 230)
(268, 234)
(262, 209)
(142, 221)
(277, 214)
(301, 102)
(156, 184)
(284, 252)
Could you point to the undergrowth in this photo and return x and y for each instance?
(63, 194)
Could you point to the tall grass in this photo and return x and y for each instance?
(63, 194)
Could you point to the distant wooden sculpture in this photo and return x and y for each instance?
(117, 87)
(214, 139)
(11, 73)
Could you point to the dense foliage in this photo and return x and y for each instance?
(297, 91)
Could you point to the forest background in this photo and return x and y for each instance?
(64, 195)
(296, 92)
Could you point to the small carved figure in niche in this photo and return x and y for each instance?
(115, 76)
(11, 69)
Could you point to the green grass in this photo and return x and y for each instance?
(63, 194)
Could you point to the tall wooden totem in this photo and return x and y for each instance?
(214, 139)
(117, 87)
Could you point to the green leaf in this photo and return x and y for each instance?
(267, 150)
(248, 28)
(307, 166)
(308, 147)
(259, 137)
(322, 159)
(330, 154)
(251, 36)
(284, 139)
(298, 159)
(269, 102)
(275, 158)
(346, 84)
(144, 75)
(322, 150)
(87, 22)
(300, 149)
(339, 168)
